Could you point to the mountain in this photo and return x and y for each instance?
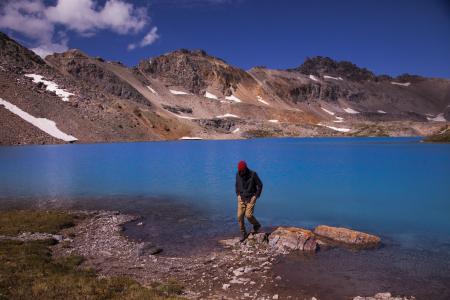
(72, 97)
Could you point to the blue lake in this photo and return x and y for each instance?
(398, 188)
(383, 185)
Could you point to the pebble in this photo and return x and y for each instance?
(275, 297)
(225, 286)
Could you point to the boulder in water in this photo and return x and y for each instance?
(347, 236)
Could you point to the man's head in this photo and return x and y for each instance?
(242, 167)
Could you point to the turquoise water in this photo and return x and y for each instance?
(384, 185)
(397, 188)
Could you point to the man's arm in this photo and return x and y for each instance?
(236, 185)
(259, 186)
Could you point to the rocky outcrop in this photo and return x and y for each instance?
(92, 72)
(218, 124)
(15, 56)
(195, 71)
(288, 239)
(321, 66)
(347, 236)
(383, 296)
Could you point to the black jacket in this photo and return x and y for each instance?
(248, 185)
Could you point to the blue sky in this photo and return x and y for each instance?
(387, 37)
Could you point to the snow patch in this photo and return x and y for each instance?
(227, 115)
(152, 90)
(175, 92)
(260, 99)
(190, 138)
(312, 77)
(43, 124)
(327, 111)
(339, 120)
(274, 121)
(331, 77)
(381, 111)
(401, 83)
(438, 118)
(233, 98)
(183, 117)
(210, 95)
(51, 86)
(350, 110)
(236, 130)
(335, 128)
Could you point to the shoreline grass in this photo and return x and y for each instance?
(28, 270)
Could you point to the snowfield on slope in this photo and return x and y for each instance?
(210, 95)
(331, 77)
(175, 92)
(350, 110)
(339, 120)
(260, 99)
(401, 83)
(227, 115)
(152, 90)
(381, 111)
(51, 86)
(190, 138)
(327, 111)
(274, 121)
(46, 125)
(438, 118)
(233, 98)
(312, 77)
(335, 128)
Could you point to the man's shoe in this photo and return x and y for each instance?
(256, 228)
(243, 237)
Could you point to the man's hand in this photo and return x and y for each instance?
(253, 199)
(239, 198)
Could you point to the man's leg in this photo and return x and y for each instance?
(249, 215)
(240, 215)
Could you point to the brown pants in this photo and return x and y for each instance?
(246, 209)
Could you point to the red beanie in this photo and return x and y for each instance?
(242, 165)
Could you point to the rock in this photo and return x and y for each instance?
(225, 286)
(146, 248)
(140, 224)
(258, 238)
(287, 239)
(275, 296)
(230, 242)
(238, 272)
(347, 236)
(383, 296)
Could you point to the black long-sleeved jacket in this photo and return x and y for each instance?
(248, 185)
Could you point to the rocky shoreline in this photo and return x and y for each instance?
(239, 271)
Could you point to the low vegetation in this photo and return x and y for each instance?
(29, 271)
(15, 222)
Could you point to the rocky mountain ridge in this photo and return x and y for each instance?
(192, 95)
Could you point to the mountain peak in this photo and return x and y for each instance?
(322, 65)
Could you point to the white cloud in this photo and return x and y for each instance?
(148, 39)
(82, 16)
(37, 21)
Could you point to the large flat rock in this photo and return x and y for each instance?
(288, 239)
(347, 236)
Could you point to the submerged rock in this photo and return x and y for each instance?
(288, 239)
(347, 236)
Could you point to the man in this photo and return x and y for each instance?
(248, 189)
